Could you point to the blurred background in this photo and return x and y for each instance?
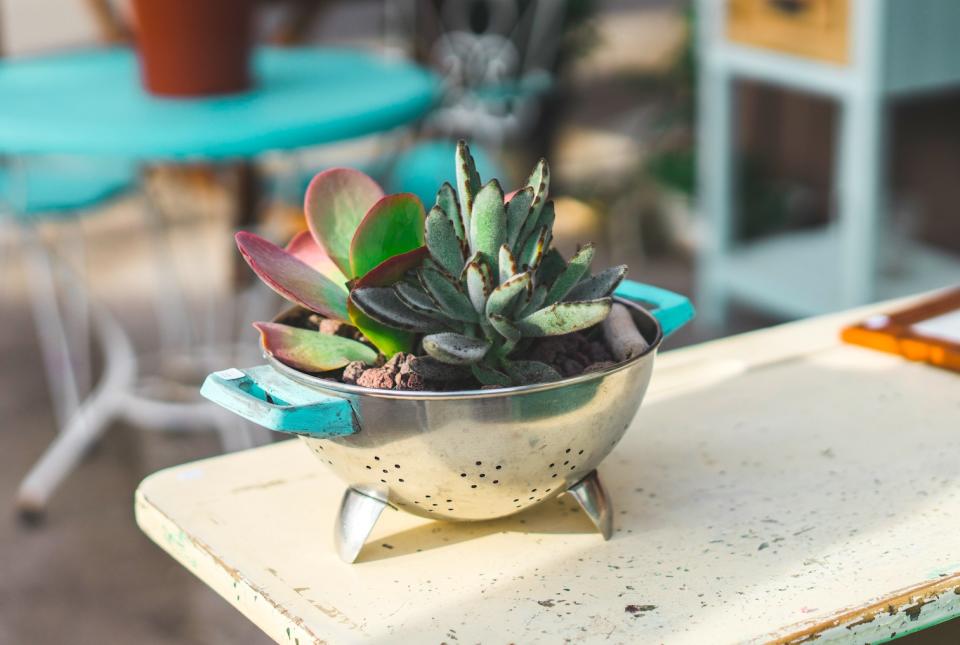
(774, 159)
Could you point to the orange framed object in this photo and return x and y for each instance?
(928, 332)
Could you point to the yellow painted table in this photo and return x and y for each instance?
(776, 486)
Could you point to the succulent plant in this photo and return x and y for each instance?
(357, 235)
(492, 279)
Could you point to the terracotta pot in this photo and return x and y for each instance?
(194, 47)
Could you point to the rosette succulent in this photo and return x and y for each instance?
(491, 279)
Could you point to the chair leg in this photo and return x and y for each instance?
(87, 424)
(78, 310)
(51, 330)
(173, 316)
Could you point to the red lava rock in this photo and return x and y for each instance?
(353, 371)
(378, 378)
(409, 381)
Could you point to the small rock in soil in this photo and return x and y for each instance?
(353, 371)
(335, 328)
(379, 378)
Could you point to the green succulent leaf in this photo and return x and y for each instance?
(533, 250)
(479, 282)
(564, 317)
(507, 264)
(385, 338)
(488, 376)
(531, 372)
(311, 351)
(415, 298)
(430, 368)
(448, 295)
(600, 285)
(551, 266)
(578, 266)
(488, 223)
(392, 226)
(503, 296)
(518, 209)
(534, 219)
(509, 331)
(536, 300)
(468, 181)
(392, 269)
(443, 242)
(539, 180)
(383, 305)
(450, 205)
(456, 349)
(336, 202)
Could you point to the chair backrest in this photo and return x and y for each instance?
(496, 58)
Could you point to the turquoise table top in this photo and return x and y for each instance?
(91, 103)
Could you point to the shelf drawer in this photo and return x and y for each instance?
(809, 28)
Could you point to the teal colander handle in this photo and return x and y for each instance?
(671, 309)
(266, 397)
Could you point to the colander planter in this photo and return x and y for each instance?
(461, 456)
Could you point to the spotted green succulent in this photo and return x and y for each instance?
(492, 279)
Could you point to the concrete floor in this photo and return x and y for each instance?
(87, 575)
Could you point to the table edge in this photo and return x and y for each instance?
(211, 568)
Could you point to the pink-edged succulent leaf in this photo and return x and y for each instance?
(394, 225)
(292, 278)
(305, 248)
(337, 201)
(386, 339)
(392, 269)
(311, 351)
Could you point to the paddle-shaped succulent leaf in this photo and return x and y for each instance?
(492, 279)
(311, 351)
(392, 226)
(336, 202)
(292, 278)
(356, 236)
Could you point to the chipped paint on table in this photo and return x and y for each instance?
(775, 487)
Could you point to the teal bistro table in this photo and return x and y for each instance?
(88, 106)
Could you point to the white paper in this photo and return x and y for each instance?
(945, 327)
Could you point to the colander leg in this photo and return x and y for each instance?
(593, 499)
(358, 515)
